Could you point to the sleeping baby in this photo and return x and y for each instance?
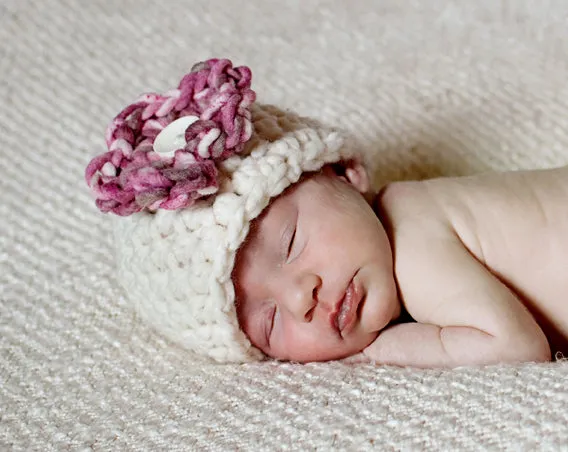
(244, 232)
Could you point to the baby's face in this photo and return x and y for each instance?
(314, 280)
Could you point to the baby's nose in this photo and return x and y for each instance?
(301, 297)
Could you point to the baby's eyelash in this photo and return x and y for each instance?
(291, 244)
(271, 327)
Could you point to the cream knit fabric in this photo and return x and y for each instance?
(440, 87)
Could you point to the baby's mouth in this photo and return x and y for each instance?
(345, 314)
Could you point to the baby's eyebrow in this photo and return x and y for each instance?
(273, 246)
(254, 238)
(282, 245)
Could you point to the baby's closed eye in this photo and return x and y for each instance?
(269, 324)
(293, 244)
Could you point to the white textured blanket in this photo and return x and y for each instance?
(428, 88)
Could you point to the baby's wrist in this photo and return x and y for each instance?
(359, 358)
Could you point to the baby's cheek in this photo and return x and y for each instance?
(387, 306)
(293, 342)
(376, 316)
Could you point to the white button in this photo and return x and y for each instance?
(172, 137)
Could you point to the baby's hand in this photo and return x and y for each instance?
(427, 346)
(410, 344)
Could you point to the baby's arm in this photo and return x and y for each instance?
(465, 315)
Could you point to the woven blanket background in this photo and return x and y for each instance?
(429, 88)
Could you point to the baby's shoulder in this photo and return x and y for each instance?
(410, 206)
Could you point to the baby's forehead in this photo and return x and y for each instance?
(282, 209)
(268, 223)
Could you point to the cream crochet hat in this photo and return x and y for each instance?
(186, 173)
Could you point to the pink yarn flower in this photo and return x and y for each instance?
(132, 177)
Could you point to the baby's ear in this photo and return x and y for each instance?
(354, 173)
